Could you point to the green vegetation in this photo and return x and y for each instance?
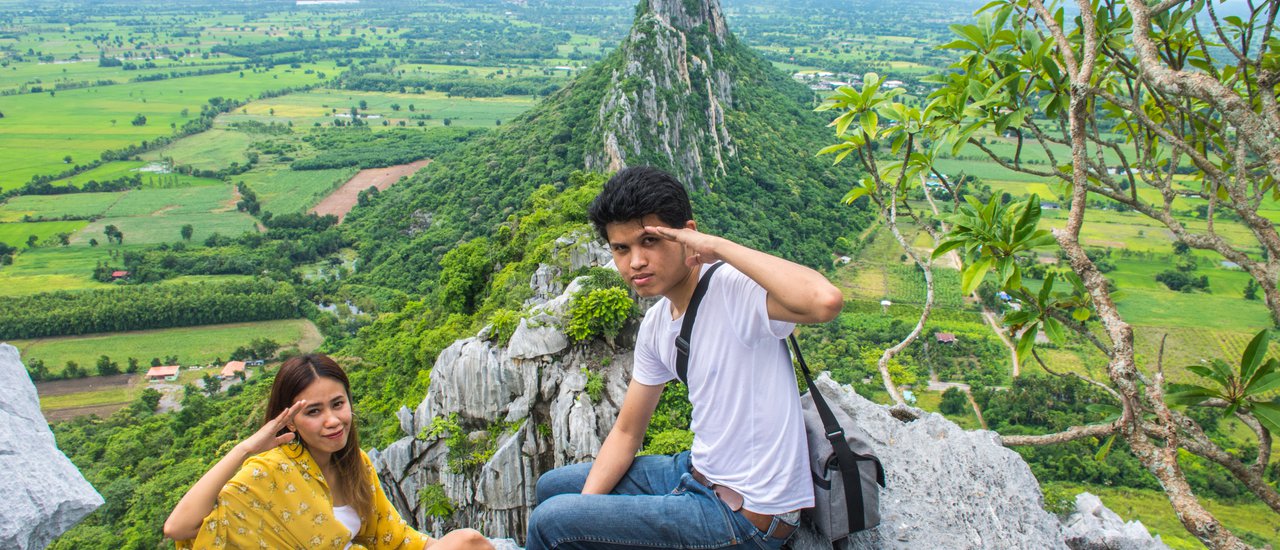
(191, 345)
(1250, 520)
(146, 307)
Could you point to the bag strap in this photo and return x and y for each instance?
(686, 326)
(846, 459)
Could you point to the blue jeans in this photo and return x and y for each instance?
(657, 504)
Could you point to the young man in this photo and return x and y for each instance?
(747, 475)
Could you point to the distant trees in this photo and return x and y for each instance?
(107, 367)
(114, 235)
(139, 120)
(210, 384)
(31, 241)
(258, 348)
(187, 231)
(146, 307)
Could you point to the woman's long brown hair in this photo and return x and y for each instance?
(294, 376)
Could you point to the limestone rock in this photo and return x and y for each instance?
(532, 340)
(1095, 527)
(946, 487)
(582, 249)
(44, 495)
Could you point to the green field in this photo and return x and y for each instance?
(38, 130)
(1147, 302)
(80, 205)
(109, 396)
(323, 106)
(281, 190)
(1253, 521)
(192, 345)
(48, 269)
(212, 150)
(16, 234)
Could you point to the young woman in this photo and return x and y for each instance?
(301, 481)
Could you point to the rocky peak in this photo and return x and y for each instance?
(668, 93)
(687, 15)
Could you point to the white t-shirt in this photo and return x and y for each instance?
(747, 425)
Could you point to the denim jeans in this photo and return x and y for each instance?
(657, 504)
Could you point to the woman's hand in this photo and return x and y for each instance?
(265, 438)
(184, 522)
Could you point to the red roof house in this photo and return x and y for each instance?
(169, 373)
(945, 337)
(232, 367)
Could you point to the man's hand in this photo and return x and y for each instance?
(700, 248)
(796, 294)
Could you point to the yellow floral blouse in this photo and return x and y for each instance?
(279, 499)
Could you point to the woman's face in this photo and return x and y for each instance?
(325, 422)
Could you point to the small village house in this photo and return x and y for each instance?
(168, 373)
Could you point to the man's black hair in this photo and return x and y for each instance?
(636, 192)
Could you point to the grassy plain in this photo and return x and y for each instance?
(322, 106)
(16, 234)
(212, 150)
(1253, 521)
(79, 205)
(38, 130)
(54, 268)
(281, 190)
(192, 345)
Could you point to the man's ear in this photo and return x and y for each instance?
(691, 225)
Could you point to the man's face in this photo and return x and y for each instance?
(652, 265)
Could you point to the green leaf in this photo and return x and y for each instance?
(1081, 314)
(1027, 341)
(1253, 354)
(842, 123)
(1264, 384)
(1046, 288)
(833, 148)
(1204, 371)
(1053, 328)
(1102, 453)
(945, 247)
(1268, 414)
(870, 123)
(973, 275)
(1187, 394)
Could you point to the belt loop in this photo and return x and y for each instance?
(773, 524)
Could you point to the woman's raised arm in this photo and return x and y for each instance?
(184, 522)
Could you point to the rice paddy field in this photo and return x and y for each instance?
(323, 106)
(39, 130)
(192, 345)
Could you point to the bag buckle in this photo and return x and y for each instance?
(836, 435)
(682, 345)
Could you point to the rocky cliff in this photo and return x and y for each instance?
(44, 493)
(665, 103)
(537, 402)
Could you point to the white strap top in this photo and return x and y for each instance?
(348, 517)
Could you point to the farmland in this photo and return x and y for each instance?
(192, 345)
(40, 130)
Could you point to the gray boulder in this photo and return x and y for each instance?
(44, 493)
(1094, 527)
(946, 487)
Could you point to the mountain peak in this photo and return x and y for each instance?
(687, 16)
(669, 89)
